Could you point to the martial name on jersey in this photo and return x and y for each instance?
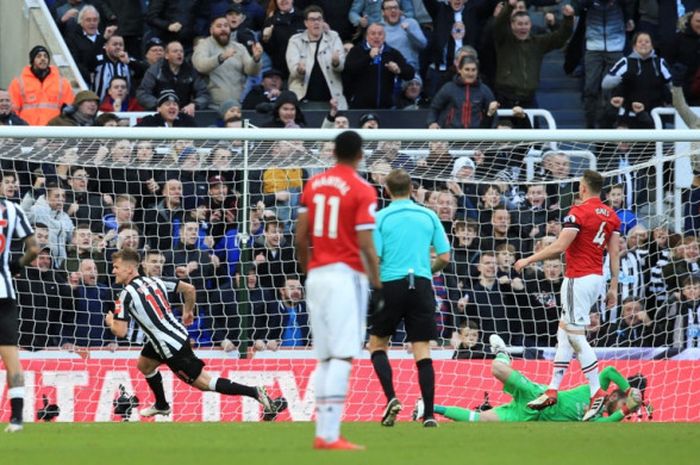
(339, 203)
(146, 300)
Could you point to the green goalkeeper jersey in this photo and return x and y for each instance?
(572, 404)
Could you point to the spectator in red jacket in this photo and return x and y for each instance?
(117, 98)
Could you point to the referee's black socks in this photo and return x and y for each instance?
(382, 367)
(426, 380)
(155, 382)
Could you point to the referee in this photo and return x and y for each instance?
(403, 237)
(13, 225)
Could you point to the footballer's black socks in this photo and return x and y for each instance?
(155, 382)
(229, 388)
(16, 404)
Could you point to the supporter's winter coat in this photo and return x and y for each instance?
(461, 106)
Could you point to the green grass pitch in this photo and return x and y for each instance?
(405, 444)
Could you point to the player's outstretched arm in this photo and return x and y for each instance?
(301, 240)
(553, 250)
(189, 293)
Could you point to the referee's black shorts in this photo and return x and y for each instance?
(415, 306)
(9, 322)
(184, 363)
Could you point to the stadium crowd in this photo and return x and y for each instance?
(180, 204)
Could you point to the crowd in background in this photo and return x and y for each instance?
(180, 204)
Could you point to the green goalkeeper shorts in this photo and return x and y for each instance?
(522, 390)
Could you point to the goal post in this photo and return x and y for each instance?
(217, 207)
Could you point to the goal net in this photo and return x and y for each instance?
(217, 209)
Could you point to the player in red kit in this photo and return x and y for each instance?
(588, 229)
(334, 243)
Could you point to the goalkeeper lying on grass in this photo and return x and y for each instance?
(571, 404)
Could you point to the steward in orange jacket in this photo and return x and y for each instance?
(40, 91)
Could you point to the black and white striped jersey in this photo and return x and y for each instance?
(146, 301)
(13, 225)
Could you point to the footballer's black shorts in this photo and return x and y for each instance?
(9, 322)
(416, 307)
(184, 363)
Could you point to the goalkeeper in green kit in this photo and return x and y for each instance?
(571, 404)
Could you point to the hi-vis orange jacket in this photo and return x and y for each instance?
(37, 102)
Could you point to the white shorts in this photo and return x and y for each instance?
(336, 297)
(578, 297)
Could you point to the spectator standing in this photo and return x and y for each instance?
(464, 103)
(374, 69)
(336, 15)
(315, 59)
(173, 20)
(226, 63)
(365, 12)
(403, 32)
(482, 300)
(685, 261)
(163, 222)
(281, 23)
(641, 80)
(45, 302)
(519, 54)
(86, 42)
(130, 18)
(92, 300)
(49, 211)
(455, 23)
(545, 301)
(606, 26)
(85, 206)
(39, 92)
(235, 14)
(86, 245)
(684, 51)
(114, 61)
(173, 72)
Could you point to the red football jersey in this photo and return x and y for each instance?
(595, 223)
(339, 203)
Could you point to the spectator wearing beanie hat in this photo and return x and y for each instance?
(82, 112)
(39, 92)
(286, 112)
(411, 97)
(168, 113)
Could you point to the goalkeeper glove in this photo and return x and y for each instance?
(376, 301)
(633, 401)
